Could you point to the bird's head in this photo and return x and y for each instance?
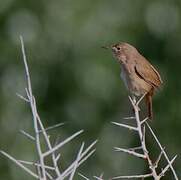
(122, 51)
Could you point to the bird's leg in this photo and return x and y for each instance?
(149, 103)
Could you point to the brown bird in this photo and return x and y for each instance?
(139, 76)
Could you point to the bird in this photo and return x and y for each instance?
(137, 73)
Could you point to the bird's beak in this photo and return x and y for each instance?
(105, 47)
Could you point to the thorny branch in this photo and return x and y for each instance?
(141, 130)
(41, 166)
(82, 155)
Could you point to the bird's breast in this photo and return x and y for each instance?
(124, 78)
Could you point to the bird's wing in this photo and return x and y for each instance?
(147, 72)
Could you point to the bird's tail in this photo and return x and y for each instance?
(149, 103)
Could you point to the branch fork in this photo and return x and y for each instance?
(41, 166)
(141, 130)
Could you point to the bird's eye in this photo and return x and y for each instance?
(118, 48)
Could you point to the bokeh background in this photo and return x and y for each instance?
(78, 83)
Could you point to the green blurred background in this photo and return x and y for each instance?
(77, 82)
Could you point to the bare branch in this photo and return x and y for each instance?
(49, 145)
(22, 97)
(76, 162)
(52, 127)
(41, 167)
(69, 169)
(84, 156)
(62, 143)
(162, 149)
(133, 101)
(84, 177)
(142, 140)
(33, 105)
(27, 93)
(49, 176)
(27, 135)
(158, 159)
(133, 177)
(29, 88)
(98, 178)
(141, 98)
(135, 148)
(20, 165)
(129, 118)
(144, 120)
(167, 167)
(35, 164)
(126, 126)
(57, 158)
(87, 156)
(144, 137)
(130, 152)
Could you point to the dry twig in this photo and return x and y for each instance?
(42, 173)
(140, 128)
